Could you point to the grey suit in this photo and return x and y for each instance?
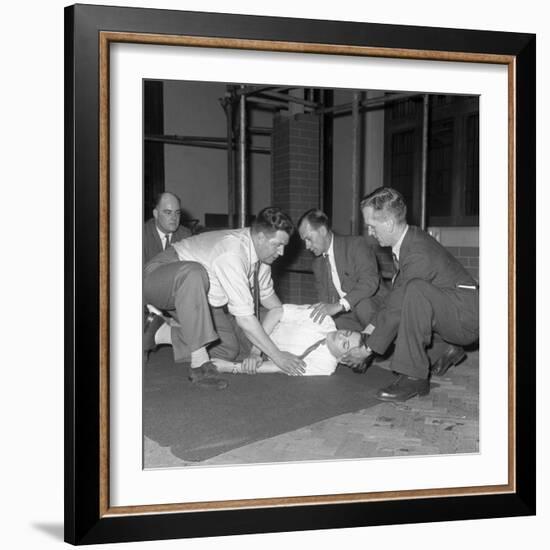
(426, 298)
(152, 244)
(359, 278)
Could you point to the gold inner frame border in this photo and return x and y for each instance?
(105, 40)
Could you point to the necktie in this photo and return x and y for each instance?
(167, 240)
(256, 290)
(395, 261)
(396, 267)
(312, 347)
(331, 289)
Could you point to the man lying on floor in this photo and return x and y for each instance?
(290, 327)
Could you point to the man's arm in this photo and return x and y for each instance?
(254, 331)
(271, 319)
(414, 266)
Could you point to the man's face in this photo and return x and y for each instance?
(340, 342)
(271, 245)
(167, 214)
(316, 240)
(379, 226)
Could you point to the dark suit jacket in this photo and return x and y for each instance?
(152, 244)
(356, 266)
(420, 257)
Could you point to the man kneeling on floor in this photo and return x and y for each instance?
(432, 296)
(291, 328)
(214, 283)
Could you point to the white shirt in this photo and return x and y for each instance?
(334, 274)
(396, 248)
(163, 237)
(296, 331)
(229, 257)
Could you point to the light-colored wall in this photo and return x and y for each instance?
(372, 167)
(199, 175)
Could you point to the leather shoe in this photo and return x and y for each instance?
(152, 323)
(450, 357)
(362, 367)
(405, 387)
(205, 377)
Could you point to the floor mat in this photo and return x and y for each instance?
(198, 423)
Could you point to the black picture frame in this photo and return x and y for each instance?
(88, 518)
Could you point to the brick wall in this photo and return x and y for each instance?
(295, 189)
(468, 256)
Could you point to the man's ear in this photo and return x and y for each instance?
(261, 237)
(155, 214)
(391, 224)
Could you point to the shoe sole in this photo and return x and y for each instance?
(395, 400)
(452, 364)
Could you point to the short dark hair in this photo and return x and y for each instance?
(272, 219)
(316, 218)
(387, 199)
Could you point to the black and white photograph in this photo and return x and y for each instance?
(310, 273)
(321, 231)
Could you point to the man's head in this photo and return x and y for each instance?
(314, 229)
(167, 212)
(385, 215)
(339, 342)
(271, 231)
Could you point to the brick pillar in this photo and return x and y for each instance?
(295, 189)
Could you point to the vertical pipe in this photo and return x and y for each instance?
(230, 164)
(322, 156)
(242, 161)
(424, 173)
(355, 163)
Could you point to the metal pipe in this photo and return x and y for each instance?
(322, 155)
(241, 203)
(260, 130)
(249, 90)
(368, 103)
(424, 167)
(290, 98)
(355, 162)
(184, 139)
(176, 140)
(274, 103)
(230, 165)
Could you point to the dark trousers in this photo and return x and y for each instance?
(182, 288)
(452, 314)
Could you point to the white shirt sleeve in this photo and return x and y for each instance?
(265, 282)
(231, 271)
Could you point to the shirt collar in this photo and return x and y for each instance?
(330, 251)
(396, 248)
(253, 255)
(162, 234)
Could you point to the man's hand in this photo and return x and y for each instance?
(251, 363)
(290, 364)
(321, 310)
(355, 356)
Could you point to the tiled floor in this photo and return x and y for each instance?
(443, 422)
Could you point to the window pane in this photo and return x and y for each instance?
(440, 168)
(472, 166)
